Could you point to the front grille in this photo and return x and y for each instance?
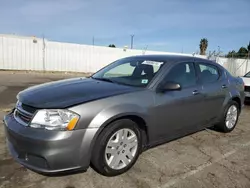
(24, 117)
(23, 113)
(29, 109)
(247, 88)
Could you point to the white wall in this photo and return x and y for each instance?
(238, 67)
(21, 53)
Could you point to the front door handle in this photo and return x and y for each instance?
(223, 86)
(195, 92)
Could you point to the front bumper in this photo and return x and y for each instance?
(49, 151)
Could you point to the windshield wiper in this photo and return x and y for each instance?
(104, 79)
(109, 80)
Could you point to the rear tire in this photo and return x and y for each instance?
(230, 118)
(117, 148)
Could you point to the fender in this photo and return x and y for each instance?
(232, 93)
(108, 115)
(102, 119)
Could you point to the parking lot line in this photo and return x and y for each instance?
(205, 165)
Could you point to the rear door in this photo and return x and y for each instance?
(214, 89)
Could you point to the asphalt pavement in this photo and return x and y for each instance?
(204, 159)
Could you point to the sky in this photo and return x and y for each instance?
(162, 25)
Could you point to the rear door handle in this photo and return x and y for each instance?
(223, 86)
(195, 92)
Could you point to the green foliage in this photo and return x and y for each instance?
(232, 54)
(242, 52)
(203, 46)
(112, 46)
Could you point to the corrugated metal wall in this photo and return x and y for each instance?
(22, 53)
(238, 67)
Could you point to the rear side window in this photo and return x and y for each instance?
(208, 73)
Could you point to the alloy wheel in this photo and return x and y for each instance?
(121, 149)
(231, 117)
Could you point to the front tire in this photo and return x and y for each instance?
(230, 118)
(117, 148)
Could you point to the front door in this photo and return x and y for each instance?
(177, 113)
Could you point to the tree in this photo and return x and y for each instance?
(248, 48)
(111, 46)
(232, 54)
(203, 46)
(242, 53)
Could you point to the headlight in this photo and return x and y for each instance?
(54, 120)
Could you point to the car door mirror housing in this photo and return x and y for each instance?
(169, 86)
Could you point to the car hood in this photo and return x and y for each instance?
(246, 81)
(70, 92)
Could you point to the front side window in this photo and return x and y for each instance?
(183, 74)
(129, 71)
(208, 73)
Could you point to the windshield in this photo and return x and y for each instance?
(247, 75)
(130, 71)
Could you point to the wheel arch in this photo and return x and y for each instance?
(140, 121)
(238, 100)
(235, 95)
(142, 125)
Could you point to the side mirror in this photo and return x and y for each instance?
(169, 86)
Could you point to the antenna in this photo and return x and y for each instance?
(44, 46)
(144, 50)
(132, 41)
(93, 41)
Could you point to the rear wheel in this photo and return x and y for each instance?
(117, 148)
(230, 117)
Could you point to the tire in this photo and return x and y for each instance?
(223, 125)
(103, 162)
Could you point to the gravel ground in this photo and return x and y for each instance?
(204, 159)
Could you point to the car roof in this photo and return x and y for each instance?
(171, 57)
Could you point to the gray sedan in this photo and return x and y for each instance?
(108, 119)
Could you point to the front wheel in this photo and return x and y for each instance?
(117, 148)
(230, 117)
